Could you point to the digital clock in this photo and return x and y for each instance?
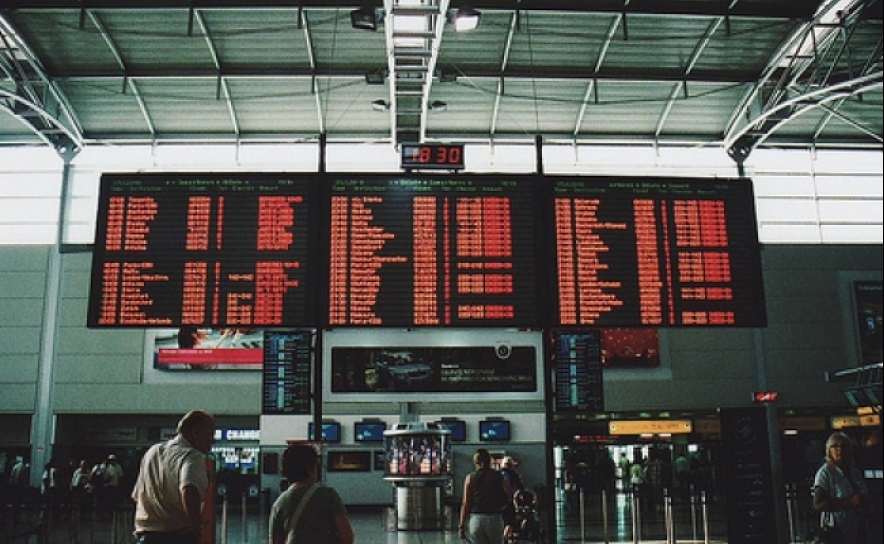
(432, 156)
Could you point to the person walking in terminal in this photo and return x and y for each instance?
(485, 494)
(80, 488)
(308, 512)
(18, 486)
(656, 480)
(840, 494)
(171, 482)
(110, 493)
(49, 489)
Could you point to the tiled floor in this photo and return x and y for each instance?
(378, 526)
(693, 521)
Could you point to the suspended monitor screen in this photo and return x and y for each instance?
(579, 381)
(369, 431)
(457, 427)
(413, 251)
(287, 372)
(205, 250)
(331, 432)
(495, 430)
(869, 305)
(661, 252)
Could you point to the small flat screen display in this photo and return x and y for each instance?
(331, 432)
(369, 431)
(457, 427)
(578, 363)
(288, 360)
(494, 430)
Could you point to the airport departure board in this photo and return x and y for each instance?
(411, 251)
(224, 250)
(287, 380)
(245, 250)
(656, 252)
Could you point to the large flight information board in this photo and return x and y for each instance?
(203, 249)
(221, 250)
(656, 252)
(432, 251)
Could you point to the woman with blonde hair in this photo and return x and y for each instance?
(840, 493)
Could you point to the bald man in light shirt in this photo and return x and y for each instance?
(171, 482)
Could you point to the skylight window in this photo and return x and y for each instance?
(405, 25)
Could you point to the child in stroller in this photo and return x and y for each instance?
(525, 525)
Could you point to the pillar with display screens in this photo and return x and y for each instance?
(418, 463)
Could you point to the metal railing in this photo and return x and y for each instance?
(688, 519)
(67, 524)
(32, 522)
(685, 517)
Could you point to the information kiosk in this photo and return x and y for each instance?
(418, 462)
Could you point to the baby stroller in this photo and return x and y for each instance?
(526, 523)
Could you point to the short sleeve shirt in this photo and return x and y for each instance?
(315, 525)
(838, 485)
(166, 469)
(112, 474)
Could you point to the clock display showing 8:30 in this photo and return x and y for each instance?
(432, 156)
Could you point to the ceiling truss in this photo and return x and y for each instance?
(817, 67)
(32, 98)
(814, 69)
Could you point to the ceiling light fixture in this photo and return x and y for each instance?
(376, 77)
(380, 105)
(365, 18)
(446, 76)
(438, 105)
(465, 19)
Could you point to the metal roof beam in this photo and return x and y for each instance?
(311, 57)
(536, 72)
(592, 86)
(681, 87)
(127, 81)
(782, 9)
(223, 87)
